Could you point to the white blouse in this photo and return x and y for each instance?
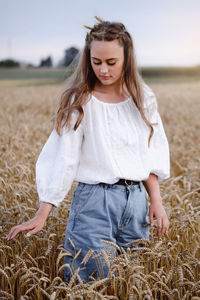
(110, 143)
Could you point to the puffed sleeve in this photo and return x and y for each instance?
(58, 161)
(158, 152)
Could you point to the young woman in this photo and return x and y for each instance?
(109, 138)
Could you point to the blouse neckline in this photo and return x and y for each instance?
(111, 103)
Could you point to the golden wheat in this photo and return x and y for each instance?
(159, 268)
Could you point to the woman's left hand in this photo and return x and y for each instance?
(156, 210)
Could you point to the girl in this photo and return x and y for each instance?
(109, 138)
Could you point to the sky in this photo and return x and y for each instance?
(165, 33)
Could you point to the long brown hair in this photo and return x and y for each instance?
(83, 80)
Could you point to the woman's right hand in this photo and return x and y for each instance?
(35, 224)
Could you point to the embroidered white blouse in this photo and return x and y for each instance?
(110, 143)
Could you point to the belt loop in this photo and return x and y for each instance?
(140, 185)
(105, 185)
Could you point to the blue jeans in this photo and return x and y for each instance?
(111, 212)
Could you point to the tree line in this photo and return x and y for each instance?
(69, 55)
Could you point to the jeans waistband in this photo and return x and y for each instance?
(117, 185)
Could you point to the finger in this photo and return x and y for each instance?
(165, 226)
(163, 230)
(14, 233)
(35, 230)
(9, 236)
(151, 218)
(17, 229)
(159, 226)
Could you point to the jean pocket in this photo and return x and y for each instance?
(82, 206)
(76, 196)
(83, 197)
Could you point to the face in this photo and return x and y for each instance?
(107, 60)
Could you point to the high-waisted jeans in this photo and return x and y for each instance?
(110, 212)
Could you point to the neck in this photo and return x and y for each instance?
(115, 89)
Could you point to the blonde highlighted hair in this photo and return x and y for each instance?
(83, 80)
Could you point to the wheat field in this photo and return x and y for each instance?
(165, 267)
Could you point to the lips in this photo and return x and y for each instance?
(105, 77)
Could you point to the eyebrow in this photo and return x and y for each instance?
(106, 59)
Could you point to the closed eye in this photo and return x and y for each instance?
(110, 64)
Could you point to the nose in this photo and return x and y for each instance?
(103, 69)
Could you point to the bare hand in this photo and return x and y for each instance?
(157, 210)
(34, 225)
